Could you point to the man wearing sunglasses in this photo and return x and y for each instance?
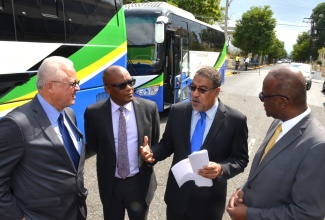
(224, 135)
(115, 128)
(286, 180)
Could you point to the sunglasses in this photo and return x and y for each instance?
(122, 85)
(73, 84)
(262, 96)
(201, 90)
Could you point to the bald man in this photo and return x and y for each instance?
(125, 183)
(286, 180)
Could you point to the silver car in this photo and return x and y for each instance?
(305, 70)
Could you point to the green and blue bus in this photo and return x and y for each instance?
(166, 45)
(91, 33)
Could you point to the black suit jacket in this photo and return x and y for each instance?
(44, 183)
(100, 138)
(226, 143)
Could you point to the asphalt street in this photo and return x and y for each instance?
(240, 91)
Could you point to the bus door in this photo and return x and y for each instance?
(181, 67)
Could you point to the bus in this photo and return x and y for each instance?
(91, 33)
(166, 46)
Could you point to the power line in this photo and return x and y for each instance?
(294, 25)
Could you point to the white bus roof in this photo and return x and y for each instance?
(159, 6)
(164, 6)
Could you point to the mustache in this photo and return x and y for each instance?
(195, 99)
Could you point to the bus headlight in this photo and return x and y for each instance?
(147, 91)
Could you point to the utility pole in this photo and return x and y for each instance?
(312, 36)
(226, 19)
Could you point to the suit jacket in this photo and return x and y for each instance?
(100, 138)
(226, 143)
(289, 182)
(37, 177)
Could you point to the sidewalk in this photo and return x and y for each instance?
(231, 70)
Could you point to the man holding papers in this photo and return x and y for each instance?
(203, 124)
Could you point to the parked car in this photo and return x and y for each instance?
(305, 70)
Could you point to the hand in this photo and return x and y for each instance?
(236, 207)
(23, 218)
(211, 171)
(236, 198)
(238, 212)
(145, 151)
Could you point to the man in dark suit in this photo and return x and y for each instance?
(286, 180)
(225, 139)
(38, 177)
(132, 190)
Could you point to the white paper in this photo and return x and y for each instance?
(187, 169)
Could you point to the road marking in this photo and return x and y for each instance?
(251, 145)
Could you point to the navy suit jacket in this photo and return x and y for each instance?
(226, 143)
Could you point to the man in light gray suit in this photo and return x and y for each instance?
(287, 181)
(38, 177)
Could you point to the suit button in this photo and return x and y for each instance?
(249, 186)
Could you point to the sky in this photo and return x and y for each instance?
(289, 14)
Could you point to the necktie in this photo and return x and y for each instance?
(122, 158)
(197, 137)
(272, 140)
(67, 142)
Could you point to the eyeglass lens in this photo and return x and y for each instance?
(201, 90)
(122, 86)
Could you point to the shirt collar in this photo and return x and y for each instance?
(211, 112)
(287, 125)
(115, 107)
(50, 111)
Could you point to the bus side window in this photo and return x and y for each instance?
(39, 23)
(7, 30)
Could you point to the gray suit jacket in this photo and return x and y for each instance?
(289, 182)
(100, 138)
(37, 177)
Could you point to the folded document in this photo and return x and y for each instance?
(187, 169)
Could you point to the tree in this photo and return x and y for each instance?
(277, 50)
(301, 48)
(205, 10)
(255, 31)
(318, 16)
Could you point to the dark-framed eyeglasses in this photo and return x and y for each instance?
(200, 89)
(122, 85)
(262, 96)
(72, 84)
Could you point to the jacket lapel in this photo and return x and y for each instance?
(216, 125)
(46, 126)
(139, 115)
(107, 116)
(186, 127)
(294, 133)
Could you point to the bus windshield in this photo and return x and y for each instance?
(143, 51)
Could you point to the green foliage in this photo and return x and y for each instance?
(205, 10)
(255, 31)
(300, 51)
(277, 50)
(318, 15)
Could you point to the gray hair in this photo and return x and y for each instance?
(211, 74)
(52, 68)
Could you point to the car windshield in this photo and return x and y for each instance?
(305, 68)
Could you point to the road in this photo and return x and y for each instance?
(239, 91)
